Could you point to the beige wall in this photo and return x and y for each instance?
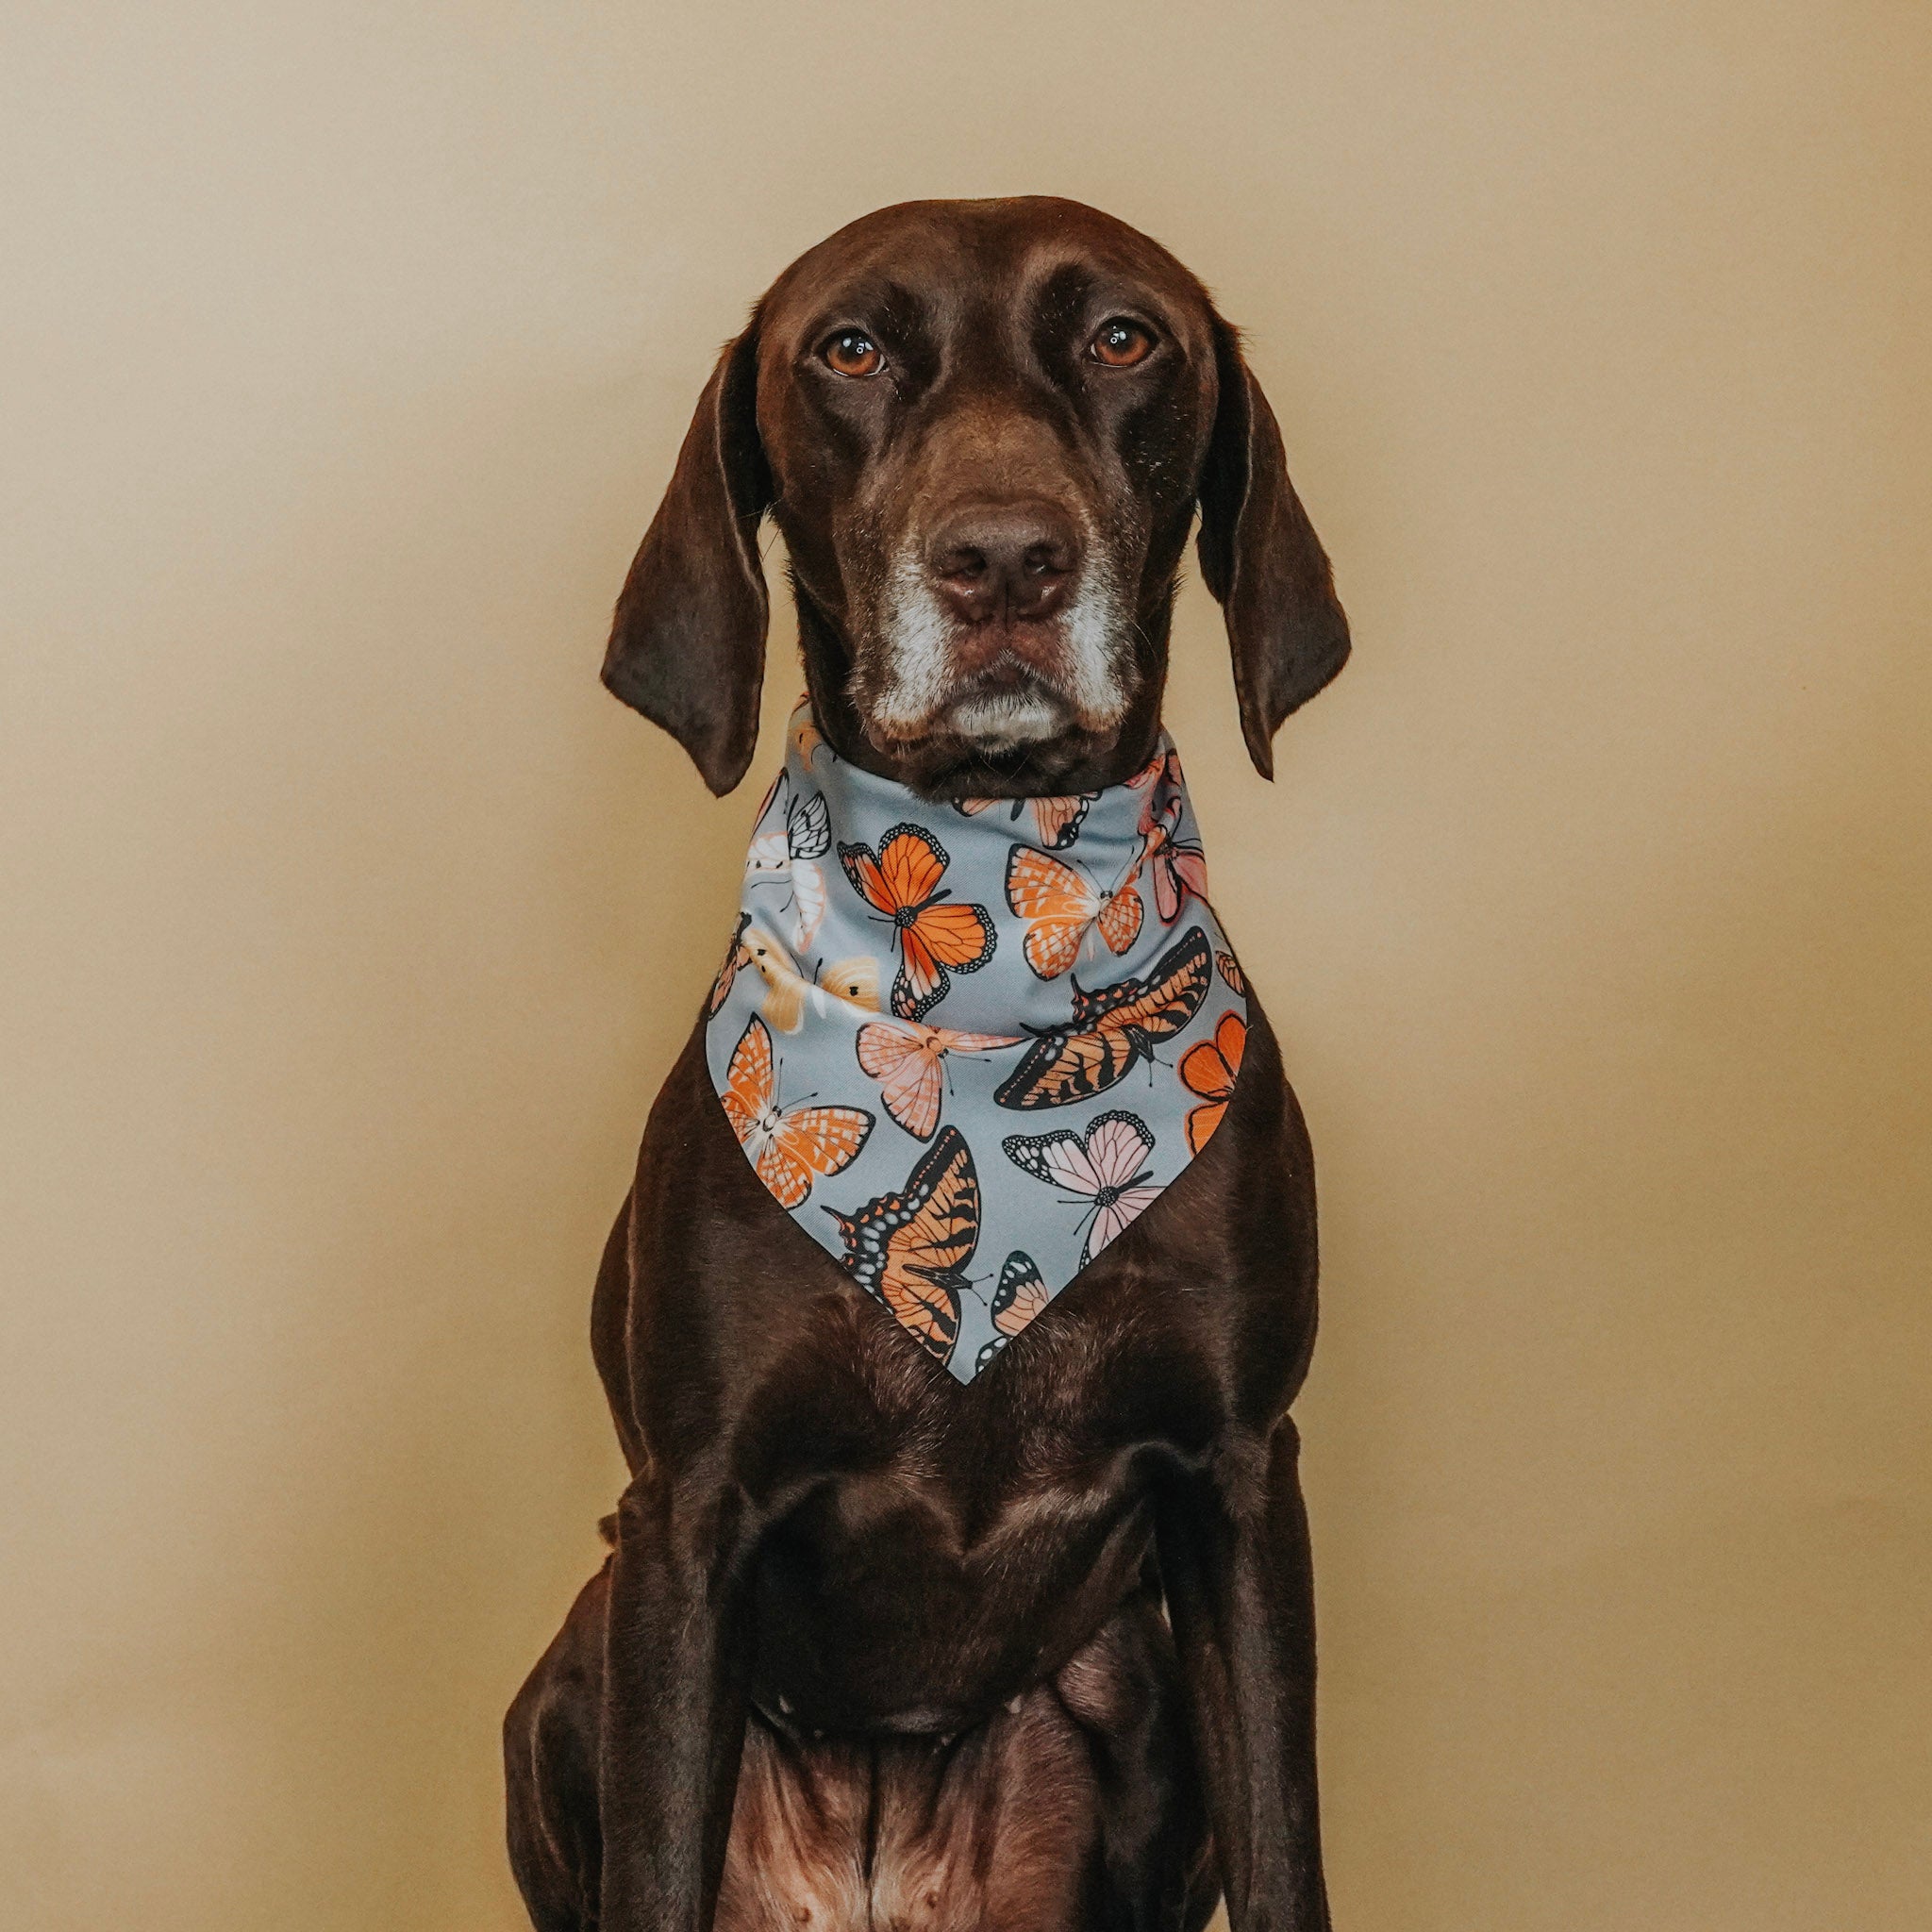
(345, 349)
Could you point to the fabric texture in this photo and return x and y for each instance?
(964, 1045)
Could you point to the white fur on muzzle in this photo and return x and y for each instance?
(923, 690)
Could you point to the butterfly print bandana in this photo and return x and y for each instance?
(965, 1046)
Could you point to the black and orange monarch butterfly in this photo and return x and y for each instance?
(901, 884)
(1112, 1030)
(911, 1249)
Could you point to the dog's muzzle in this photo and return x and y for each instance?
(1003, 630)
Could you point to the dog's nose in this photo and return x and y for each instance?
(1005, 561)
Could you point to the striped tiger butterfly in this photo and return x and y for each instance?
(910, 1248)
(1112, 1030)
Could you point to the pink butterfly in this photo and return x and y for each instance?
(1103, 1168)
(1176, 864)
(903, 1056)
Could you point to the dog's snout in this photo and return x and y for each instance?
(1005, 562)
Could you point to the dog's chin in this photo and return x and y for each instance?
(999, 744)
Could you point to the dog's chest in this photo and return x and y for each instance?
(905, 1600)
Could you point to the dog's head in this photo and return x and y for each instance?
(984, 428)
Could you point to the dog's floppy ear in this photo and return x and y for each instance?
(688, 641)
(1263, 562)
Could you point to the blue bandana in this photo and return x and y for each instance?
(964, 1045)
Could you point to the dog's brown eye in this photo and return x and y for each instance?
(852, 353)
(1120, 344)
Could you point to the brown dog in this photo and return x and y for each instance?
(875, 1649)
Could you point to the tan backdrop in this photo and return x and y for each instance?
(346, 348)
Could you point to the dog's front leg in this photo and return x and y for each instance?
(675, 1711)
(1234, 1561)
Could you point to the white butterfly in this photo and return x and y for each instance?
(1103, 1168)
(853, 981)
(789, 855)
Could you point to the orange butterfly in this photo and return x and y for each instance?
(1230, 970)
(1019, 1295)
(903, 1056)
(1211, 1068)
(1062, 906)
(911, 1249)
(1112, 1030)
(901, 884)
(786, 1145)
(1056, 820)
